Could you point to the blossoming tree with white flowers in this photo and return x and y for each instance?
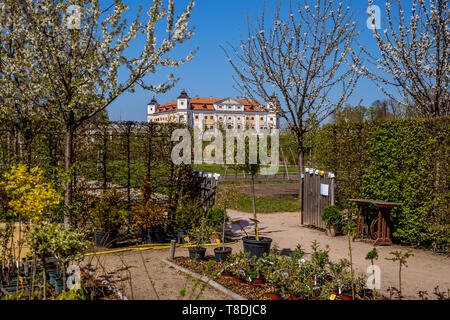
(414, 52)
(303, 55)
(67, 60)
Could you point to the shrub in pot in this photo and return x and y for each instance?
(217, 217)
(107, 217)
(332, 217)
(149, 216)
(190, 214)
(197, 236)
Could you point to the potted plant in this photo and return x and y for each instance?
(108, 217)
(190, 214)
(332, 217)
(255, 245)
(227, 196)
(274, 278)
(149, 216)
(239, 263)
(197, 236)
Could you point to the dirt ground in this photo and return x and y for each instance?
(126, 270)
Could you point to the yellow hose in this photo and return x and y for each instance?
(155, 246)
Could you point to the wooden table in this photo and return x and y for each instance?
(383, 233)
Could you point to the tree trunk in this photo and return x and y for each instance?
(300, 171)
(104, 156)
(68, 159)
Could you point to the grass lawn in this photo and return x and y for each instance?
(267, 205)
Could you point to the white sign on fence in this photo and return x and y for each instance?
(324, 189)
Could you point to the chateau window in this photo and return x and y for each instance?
(196, 117)
(253, 118)
(262, 118)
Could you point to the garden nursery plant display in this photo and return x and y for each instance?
(280, 277)
(41, 262)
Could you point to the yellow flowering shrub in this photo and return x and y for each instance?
(30, 196)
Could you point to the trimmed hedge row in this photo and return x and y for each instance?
(403, 161)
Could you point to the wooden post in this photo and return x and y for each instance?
(172, 249)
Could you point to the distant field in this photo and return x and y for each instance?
(267, 205)
(217, 168)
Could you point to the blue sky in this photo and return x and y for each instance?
(209, 73)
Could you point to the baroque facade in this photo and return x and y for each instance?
(211, 113)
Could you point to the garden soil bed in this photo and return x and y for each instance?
(256, 292)
(242, 289)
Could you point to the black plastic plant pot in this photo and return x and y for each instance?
(104, 239)
(221, 254)
(197, 253)
(257, 248)
(180, 235)
(153, 235)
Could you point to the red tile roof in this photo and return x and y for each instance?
(207, 104)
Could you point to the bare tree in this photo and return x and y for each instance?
(304, 58)
(416, 55)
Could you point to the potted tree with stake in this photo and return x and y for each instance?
(226, 197)
(197, 236)
(251, 165)
(333, 220)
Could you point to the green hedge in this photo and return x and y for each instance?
(404, 161)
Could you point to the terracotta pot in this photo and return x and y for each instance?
(251, 285)
(226, 275)
(292, 297)
(346, 297)
(258, 281)
(238, 280)
(274, 296)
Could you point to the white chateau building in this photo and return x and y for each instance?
(210, 113)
